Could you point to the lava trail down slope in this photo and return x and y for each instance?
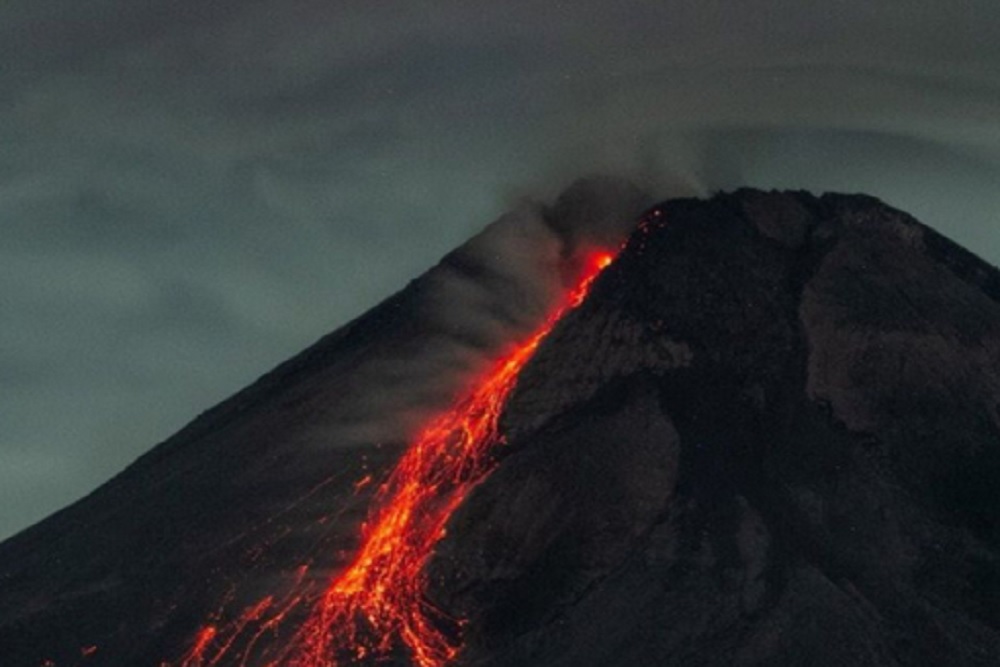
(383, 589)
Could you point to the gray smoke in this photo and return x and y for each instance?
(487, 294)
(515, 268)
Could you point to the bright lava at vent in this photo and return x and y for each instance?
(378, 602)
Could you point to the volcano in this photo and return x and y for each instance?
(759, 429)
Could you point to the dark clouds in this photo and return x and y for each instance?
(191, 191)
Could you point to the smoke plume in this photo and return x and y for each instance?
(487, 294)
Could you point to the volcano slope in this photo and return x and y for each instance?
(769, 436)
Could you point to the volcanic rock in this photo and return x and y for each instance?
(770, 436)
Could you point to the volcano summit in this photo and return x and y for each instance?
(762, 429)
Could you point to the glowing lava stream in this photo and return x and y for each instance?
(379, 599)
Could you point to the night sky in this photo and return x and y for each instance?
(193, 191)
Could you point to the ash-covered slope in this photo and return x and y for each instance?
(770, 436)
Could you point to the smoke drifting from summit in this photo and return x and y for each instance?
(483, 297)
(512, 270)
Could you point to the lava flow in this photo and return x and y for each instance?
(378, 601)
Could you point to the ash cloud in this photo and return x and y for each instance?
(489, 293)
(513, 271)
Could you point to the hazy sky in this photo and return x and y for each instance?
(193, 191)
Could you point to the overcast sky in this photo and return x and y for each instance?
(193, 191)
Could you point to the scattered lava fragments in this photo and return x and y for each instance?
(378, 602)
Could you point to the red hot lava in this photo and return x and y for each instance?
(378, 601)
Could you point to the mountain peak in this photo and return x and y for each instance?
(768, 435)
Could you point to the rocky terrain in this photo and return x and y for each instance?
(770, 436)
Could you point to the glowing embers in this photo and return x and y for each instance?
(379, 602)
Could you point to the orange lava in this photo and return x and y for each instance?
(378, 602)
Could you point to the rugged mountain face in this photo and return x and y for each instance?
(770, 436)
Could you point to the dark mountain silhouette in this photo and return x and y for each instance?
(769, 436)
